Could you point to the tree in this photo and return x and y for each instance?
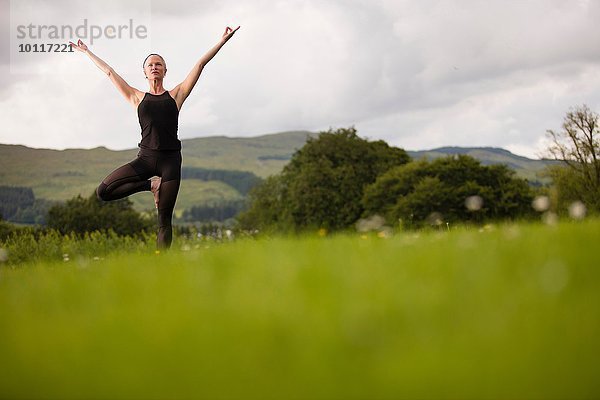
(323, 184)
(415, 191)
(266, 211)
(81, 215)
(567, 187)
(577, 145)
(15, 198)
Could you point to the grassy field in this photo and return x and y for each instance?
(510, 311)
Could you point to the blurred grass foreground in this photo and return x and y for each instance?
(507, 312)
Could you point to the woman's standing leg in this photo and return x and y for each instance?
(170, 172)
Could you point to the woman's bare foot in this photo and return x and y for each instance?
(155, 189)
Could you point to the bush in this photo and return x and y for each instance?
(81, 216)
(415, 192)
(28, 245)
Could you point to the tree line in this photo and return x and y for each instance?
(338, 178)
(217, 212)
(81, 215)
(18, 204)
(13, 198)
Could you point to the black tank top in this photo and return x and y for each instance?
(158, 116)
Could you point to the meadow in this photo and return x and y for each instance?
(503, 311)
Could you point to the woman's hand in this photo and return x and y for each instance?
(229, 33)
(79, 46)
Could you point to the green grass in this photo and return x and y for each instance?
(509, 312)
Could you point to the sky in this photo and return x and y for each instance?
(417, 74)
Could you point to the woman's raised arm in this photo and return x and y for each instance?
(183, 90)
(132, 95)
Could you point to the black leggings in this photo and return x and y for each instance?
(133, 177)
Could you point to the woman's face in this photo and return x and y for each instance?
(155, 67)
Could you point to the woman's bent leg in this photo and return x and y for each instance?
(123, 182)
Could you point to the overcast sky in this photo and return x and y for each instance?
(418, 74)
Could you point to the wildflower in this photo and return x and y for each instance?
(3, 255)
(541, 203)
(473, 203)
(550, 218)
(370, 224)
(577, 210)
(435, 219)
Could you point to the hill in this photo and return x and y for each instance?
(62, 174)
(58, 175)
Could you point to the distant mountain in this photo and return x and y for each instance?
(62, 174)
(524, 167)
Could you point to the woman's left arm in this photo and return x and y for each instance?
(183, 90)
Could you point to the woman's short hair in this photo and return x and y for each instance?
(152, 54)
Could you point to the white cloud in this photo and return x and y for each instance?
(417, 74)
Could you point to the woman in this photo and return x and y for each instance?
(160, 149)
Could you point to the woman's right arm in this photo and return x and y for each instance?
(132, 95)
